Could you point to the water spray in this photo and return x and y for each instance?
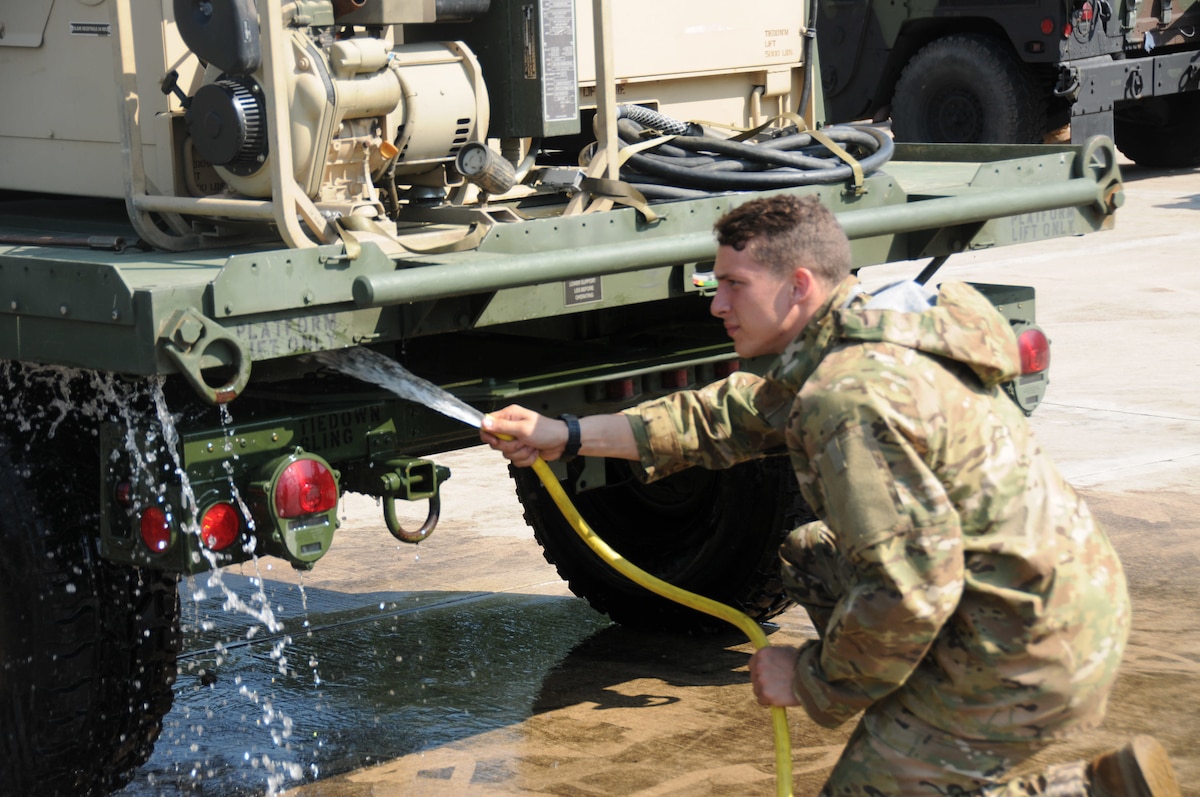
(372, 367)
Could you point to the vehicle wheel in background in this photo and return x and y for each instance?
(716, 533)
(967, 88)
(1160, 132)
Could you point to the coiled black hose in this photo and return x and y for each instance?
(695, 163)
(649, 118)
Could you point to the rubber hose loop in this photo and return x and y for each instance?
(654, 120)
(713, 164)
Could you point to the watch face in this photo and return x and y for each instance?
(472, 159)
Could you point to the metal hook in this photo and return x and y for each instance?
(402, 534)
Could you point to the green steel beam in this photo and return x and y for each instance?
(497, 272)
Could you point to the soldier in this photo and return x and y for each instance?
(965, 600)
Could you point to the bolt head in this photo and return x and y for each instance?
(189, 331)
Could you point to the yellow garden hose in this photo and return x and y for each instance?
(783, 742)
(371, 366)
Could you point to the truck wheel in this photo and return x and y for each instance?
(87, 648)
(1160, 132)
(966, 89)
(716, 533)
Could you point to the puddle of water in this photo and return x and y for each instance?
(253, 712)
(400, 673)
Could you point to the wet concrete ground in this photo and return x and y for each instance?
(463, 666)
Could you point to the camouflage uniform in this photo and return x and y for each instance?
(964, 596)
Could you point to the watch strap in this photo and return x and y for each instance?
(574, 437)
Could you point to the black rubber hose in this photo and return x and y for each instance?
(652, 119)
(694, 161)
(750, 167)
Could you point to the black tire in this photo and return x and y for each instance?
(87, 648)
(1160, 132)
(713, 533)
(968, 89)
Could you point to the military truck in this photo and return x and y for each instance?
(200, 202)
(1013, 73)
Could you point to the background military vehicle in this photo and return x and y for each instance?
(512, 198)
(1013, 72)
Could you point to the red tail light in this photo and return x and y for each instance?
(1035, 351)
(156, 531)
(304, 488)
(219, 526)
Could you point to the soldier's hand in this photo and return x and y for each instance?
(771, 671)
(532, 435)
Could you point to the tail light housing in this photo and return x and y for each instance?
(1035, 350)
(220, 526)
(155, 529)
(294, 503)
(305, 486)
(1033, 347)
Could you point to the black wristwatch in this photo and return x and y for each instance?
(574, 437)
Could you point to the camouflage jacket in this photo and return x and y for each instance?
(984, 597)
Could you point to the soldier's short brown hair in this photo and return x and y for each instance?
(785, 232)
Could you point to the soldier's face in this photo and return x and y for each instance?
(762, 311)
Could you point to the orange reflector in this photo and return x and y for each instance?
(304, 488)
(620, 389)
(156, 532)
(676, 379)
(724, 369)
(219, 526)
(1035, 351)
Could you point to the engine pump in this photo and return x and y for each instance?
(363, 112)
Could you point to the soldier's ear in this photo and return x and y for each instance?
(802, 284)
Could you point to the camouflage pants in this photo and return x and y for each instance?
(892, 752)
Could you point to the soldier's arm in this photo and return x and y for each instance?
(718, 426)
(531, 435)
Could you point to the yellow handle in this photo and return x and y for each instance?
(783, 742)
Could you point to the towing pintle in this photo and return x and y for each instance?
(403, 479)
